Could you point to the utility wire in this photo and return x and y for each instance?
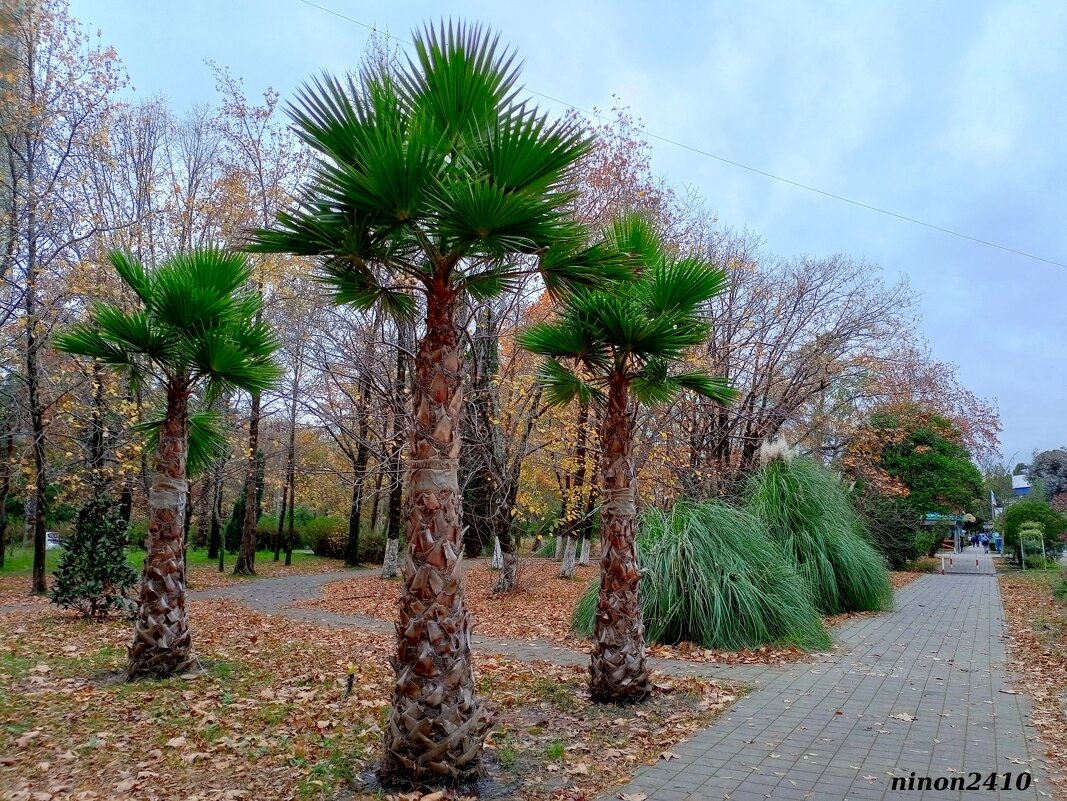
(732, 163)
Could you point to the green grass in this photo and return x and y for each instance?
(714, 576)
(554, 751)
(806, 508)
(19, 560)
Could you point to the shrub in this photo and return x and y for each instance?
(372, 548)
(327, 536)
(891, 524)
(94, 575)
(809, 514)
(713, 576)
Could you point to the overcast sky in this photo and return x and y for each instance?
(952, 113)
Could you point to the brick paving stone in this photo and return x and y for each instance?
(939, 659)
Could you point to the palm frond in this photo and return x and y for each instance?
(569, 263)
(461, 77)
(682, 286)
(133, 274)
(562, 385)
(206, 438)
(633, 234)
(564, 340)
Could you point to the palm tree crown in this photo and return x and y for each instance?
(435, 176)
(196, 325)
(634, 331)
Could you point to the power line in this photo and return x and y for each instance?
(738, 164)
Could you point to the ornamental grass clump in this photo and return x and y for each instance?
(810, 517)
(713, 576)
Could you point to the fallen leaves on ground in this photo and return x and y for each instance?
(539, 609)
(269, 717)
(1037, 627)
(902, 578)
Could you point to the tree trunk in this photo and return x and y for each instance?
(396, 448)
(5, 484)
(577, 491)
(558, 555)
(618, 669)
(162, 642)
(40, 465)
(497, 561)
(584, 558)
(392, 548)
(570, 548)
(214, 541)
(290, 538)
(246, 557)
(436, 727)
(359, 472)
(289, 491)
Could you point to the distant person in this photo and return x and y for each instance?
(985, 543)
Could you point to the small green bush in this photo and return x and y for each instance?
(808, 511)
(713, 576)
(327, 536)
(94, 575)
(372, 548)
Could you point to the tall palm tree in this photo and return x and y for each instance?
(196, 331)
(616, 347)
(435, 178)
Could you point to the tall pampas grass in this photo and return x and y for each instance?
(714, 576)
(808, 512)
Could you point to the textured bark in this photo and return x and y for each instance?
(359, 474)
(392, 547)
(246, 557)
(289, 490)
(570, 548)
(214, 540)
(618, 668)
(497, 561)
(162, 642)
(584, 558)
(40, 465)
(509, 573)
(396, 448)
(5, 484)
(576, 491)
(436, 725)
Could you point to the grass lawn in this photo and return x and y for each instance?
(203, 572)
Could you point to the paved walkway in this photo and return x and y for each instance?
(973, 561)
(919, 689)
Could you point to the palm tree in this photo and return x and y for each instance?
(195, 331)
(615, 347)
(435, 179)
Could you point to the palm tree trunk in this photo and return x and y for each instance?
(618, 669)
(436, 725)
(246, 557)
(162, 642)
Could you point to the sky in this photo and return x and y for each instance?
(950, 113)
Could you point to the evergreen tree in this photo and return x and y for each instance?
(94, 576)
